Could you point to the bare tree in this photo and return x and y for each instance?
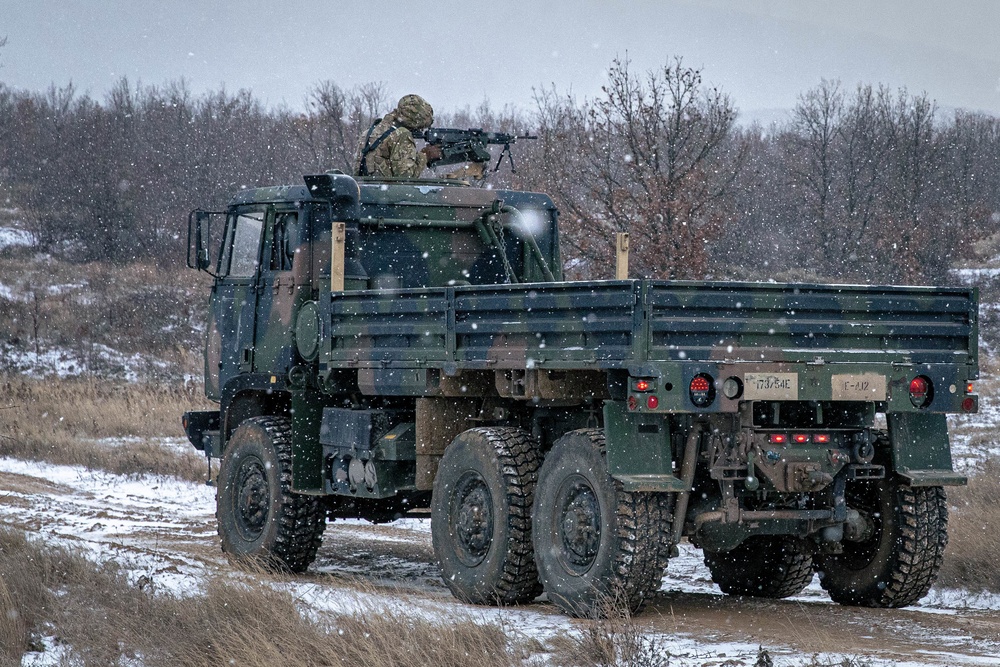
(654, 156)
(335, 119)
(815, 123)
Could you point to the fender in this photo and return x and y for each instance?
(921, 453)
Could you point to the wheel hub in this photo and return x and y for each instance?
(580, 525)
(863, 547)
(252, 499)
(472, 519)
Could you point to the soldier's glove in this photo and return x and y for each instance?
(433, 152)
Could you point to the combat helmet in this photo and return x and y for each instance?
(414, 113)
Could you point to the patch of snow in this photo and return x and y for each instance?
(11, 236)
(63, 362)
(975, 275)
(56, 290)
(8, 293)
(53, 654)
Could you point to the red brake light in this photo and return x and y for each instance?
(777, 438)
(821, 438)
(800, 438)
(642, 385)
(969, 388)
(921, 391)
(700, 383)
(702, 390)
(652, 402)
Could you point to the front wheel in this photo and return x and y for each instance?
(260, 518)
(898, 560)
(599, 548)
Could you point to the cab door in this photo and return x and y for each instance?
(232, 322)
(283, 285)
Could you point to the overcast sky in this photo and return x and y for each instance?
(456, 54)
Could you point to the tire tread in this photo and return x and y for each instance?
(301, 518)
(920, 544)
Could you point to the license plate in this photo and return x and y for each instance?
(858, 387)
(771, 386)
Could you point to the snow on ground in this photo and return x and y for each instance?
(10, 236)
(89, 358)
(164, 529)
(975, 275)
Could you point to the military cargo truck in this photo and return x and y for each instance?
(378, 348)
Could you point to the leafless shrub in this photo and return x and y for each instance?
(102, 313)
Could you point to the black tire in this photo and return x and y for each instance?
(769, 566)
(899, 560)
(481, 516)
(259, 518)
(600, 549)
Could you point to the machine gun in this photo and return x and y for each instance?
(469, 145)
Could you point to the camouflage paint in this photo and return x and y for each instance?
(426, 316)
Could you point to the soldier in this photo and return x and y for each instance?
(387, 149)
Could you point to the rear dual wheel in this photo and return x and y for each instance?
(768, 566)
(600, 549)
(898, 560)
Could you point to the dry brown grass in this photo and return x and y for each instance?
(102, 618)
(254, 625)
(615, 640)
(30, 576)
(68, 421)
(970, 561)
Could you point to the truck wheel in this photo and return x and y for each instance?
(259, 517)
(481, 516)
(899, 560)
(766, 567)
(599, 548)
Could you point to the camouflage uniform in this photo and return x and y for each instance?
(396, 155)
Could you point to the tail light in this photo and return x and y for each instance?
(702, 390)
(777, 438)
(921, 391)
(800, 438)
(652, 402)
(821, 438)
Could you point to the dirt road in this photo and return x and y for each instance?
(165, 530)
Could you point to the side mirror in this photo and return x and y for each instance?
(199, 233)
